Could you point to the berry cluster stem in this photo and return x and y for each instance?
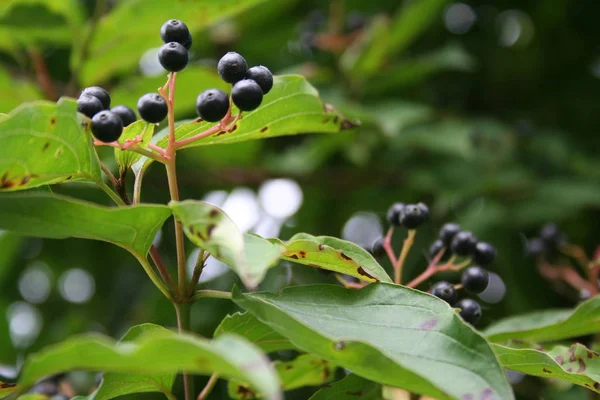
(212, 381)
(433, 268)
(406, 245)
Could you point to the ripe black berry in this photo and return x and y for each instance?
(100, 94)
(535, 247)
(463, 243)
(377, 249)
(246, 95)
(107, 126)
(448, 231)
(424, 209)
(475, 279)
(89, 105)
(152, 107)
(393, 214)
(232, 67)
(126, 114)
(175, 31)
(173, 57)
(445, 291)
(212, 105)
(551, 235)
(262, 76)
(413, 215)
(484, 253)
(435, 248)
(470, 311)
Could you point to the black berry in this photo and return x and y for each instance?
(175, 31)
(232, 67)
(445, 291)
(424, 210)
(152, 107)
(188, 43)
(126, 114)
(484, 253)
(475, 280)
(463, 243)
(394, 212)
(551, 236)
(377, 249)
(262, 76)
(246, 95)
(435, 248)
(173, 57)
(100, 94)
(89, 105)
(448, 231)
(470, 311)
(413, 216)
(212, 105)
(107, 126)
(535, 247)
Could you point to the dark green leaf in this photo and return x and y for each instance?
(387, 333)
(335, 255)
(549, 325)
(350, 388)
(43, 143)
(126, 158)
(576, 364)
(50, 216)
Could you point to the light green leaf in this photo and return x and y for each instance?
(58, 217)
(576, 364)
(208, 227)
(133, 26)
(43, 143)
(352, 387)
(335, 255)
(549, 325)
(390, 334)
(116, 384)
(21, 90)
(247, 326)
(157, 352)
(304, 370)
(126, 158)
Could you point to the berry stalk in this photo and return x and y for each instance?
(408, 242)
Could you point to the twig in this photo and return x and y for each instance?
(212, 381)
(387, 245)
(197, 272)
(213, 294)
(43, 76)
(408, 242)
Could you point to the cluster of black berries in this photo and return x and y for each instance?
(107, 123)
(410, 216)
(474, 279)
(549, 241)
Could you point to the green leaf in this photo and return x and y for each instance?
(43, 143)
(304, 370)
(125, 158)
(20, 90)
(118, 384)
(208, 227)
(247, 326)
(549, 325)
(350, 388)
(390, 334)
(58, 217)
(131, 28)
(157, 351)
(335, 255)
(576, 364)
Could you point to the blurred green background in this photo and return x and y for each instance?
(485, 110)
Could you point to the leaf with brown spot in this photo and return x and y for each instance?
(7, 388)
(528, 359)
(333, 254)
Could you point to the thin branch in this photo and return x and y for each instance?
(387, 245)
(213, 294)
(42, 74)
(212, 381)
(160, 266)
(408, 242)
(197, 272)
(109, 174)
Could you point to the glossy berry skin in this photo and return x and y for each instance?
(445, 291)
(535, 247)
(435, 248)
(470, 310)
(463, 243)
(232, 67)
(484, 253)
(126, 114)
(475, 280)
(173, 57)
(413, 216)
(262, 76)
(89, 105)
(175, 31)
(393, 214)
(100, 94)
(246, 95)
(447, 232)
(107, 126)
(212, 105)
(152, 108)
(424, 209)
(377, 249)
